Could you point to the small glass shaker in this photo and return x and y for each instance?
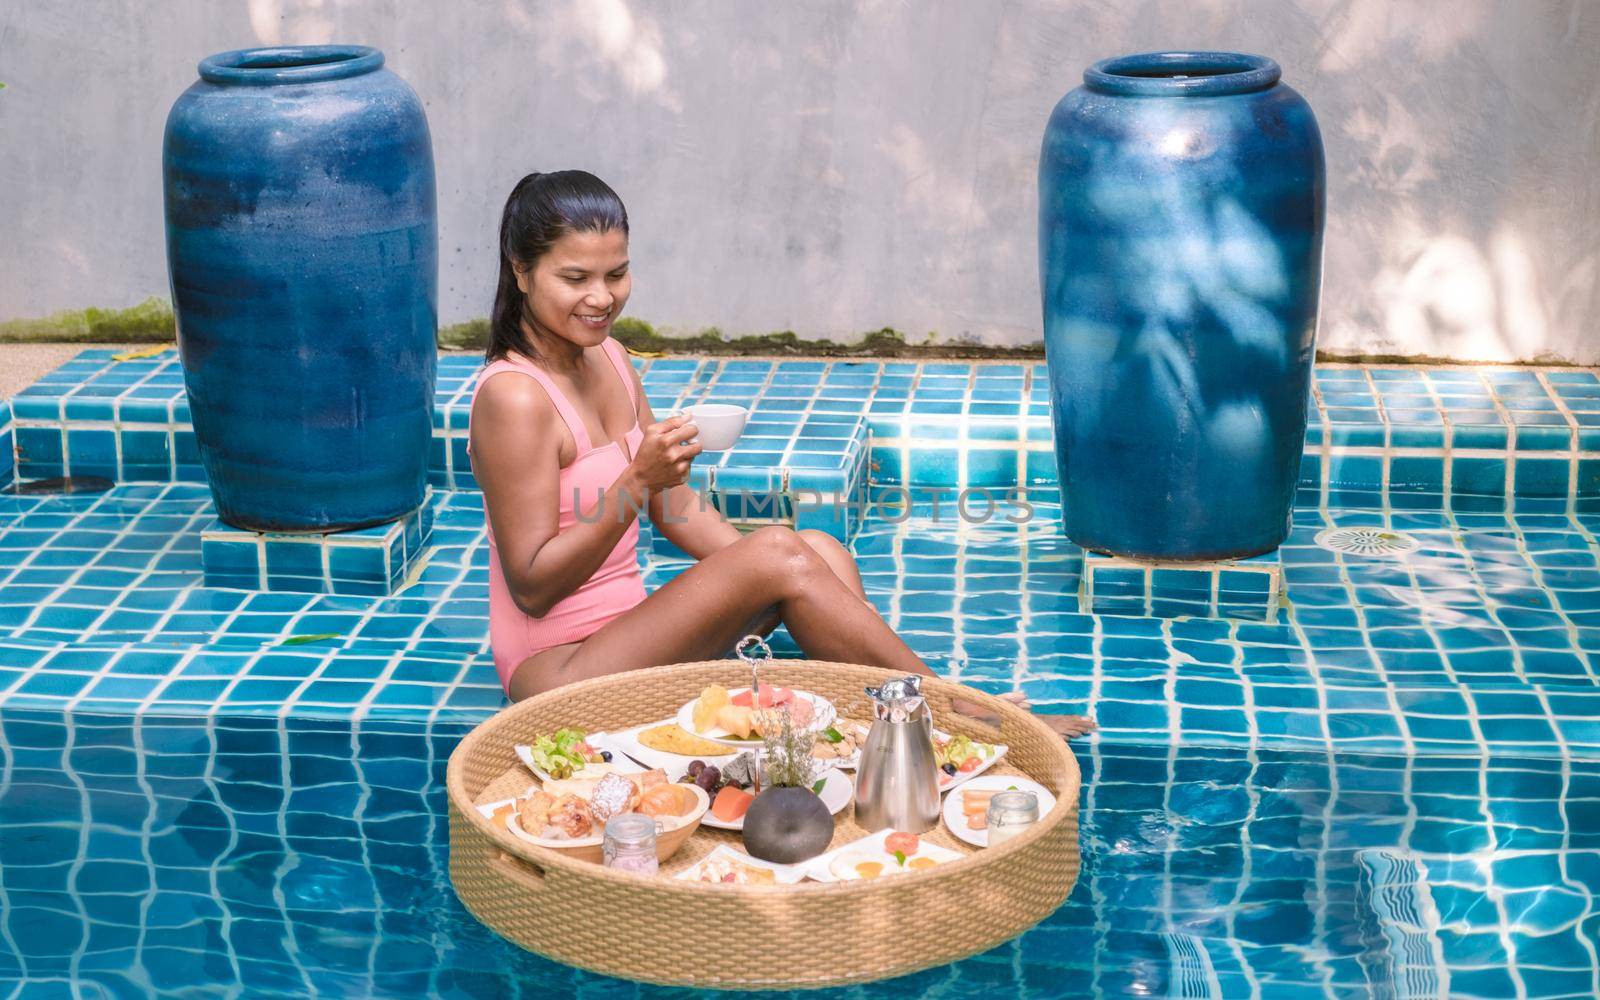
(630, 843)
(1011, 812)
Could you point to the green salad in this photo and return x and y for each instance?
(960, 754)
(562, 754)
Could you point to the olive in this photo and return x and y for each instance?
(949, 768)
(605, 755)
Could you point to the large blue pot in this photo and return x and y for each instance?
(303, 249)
(1180, 258)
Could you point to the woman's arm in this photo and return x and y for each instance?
(516, 447)
(681, 514)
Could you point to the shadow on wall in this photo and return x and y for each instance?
(1458, 205)
(584, 36)
(1448, 207)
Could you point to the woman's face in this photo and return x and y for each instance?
(578, 289)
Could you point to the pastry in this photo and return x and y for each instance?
(570, 816)
(662, 801)
(533, 813)
(612, 796)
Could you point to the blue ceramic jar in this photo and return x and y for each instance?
(1180, 255)
(303, 252)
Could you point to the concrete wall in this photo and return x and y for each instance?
(834, 167)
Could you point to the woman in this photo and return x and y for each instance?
(568, 452)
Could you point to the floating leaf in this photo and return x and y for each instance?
(301, 640)
(139, 353)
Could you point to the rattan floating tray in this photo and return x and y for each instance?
(811, 934)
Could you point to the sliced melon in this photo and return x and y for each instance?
(712, 700)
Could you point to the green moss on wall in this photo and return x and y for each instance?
(641, 337)
(471, 335)
(149, 322)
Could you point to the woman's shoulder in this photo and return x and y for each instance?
(509, 392)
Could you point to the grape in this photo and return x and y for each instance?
(709, 778)
(695, 767)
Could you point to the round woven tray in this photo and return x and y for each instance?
(664, 930)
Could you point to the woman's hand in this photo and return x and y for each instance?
(663, 460)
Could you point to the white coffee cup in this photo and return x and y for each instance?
(720, 424)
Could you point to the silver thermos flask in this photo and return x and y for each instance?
(897, 781)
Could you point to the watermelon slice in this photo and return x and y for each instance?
(769, 697)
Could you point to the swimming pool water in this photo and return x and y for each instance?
(241, 856)
(1390, 788)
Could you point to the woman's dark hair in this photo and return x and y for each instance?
(542, 209)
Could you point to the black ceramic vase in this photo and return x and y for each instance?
(787, 825)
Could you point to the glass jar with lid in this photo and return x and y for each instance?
(1011, 812)
(630, 843)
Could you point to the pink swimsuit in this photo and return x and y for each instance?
(617, 585)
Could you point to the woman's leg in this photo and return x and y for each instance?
(524, 680)
(844, 567)
(806, 579)
(838, 559)
(708, 607)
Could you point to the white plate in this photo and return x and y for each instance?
(870, 848)
(851, 762)
(600, 741)
(784, 874)
(837, 792)
(676, 765)
(949, 781)
(488, 808)
(956, 821)
(822, 715)
(514, 825)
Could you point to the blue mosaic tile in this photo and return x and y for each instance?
(1246, 589)
(369, 561)
(8, 445)
(1364, 424)
(1206, 871)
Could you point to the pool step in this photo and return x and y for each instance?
(1238, 589)
(1470, 439)
(370, 562)
(129, 421)
(1471, 922)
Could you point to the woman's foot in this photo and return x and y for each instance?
(1069, 726)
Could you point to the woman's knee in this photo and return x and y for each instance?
(823, 543)
(779, 552)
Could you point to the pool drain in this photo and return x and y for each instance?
(1367, 541)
